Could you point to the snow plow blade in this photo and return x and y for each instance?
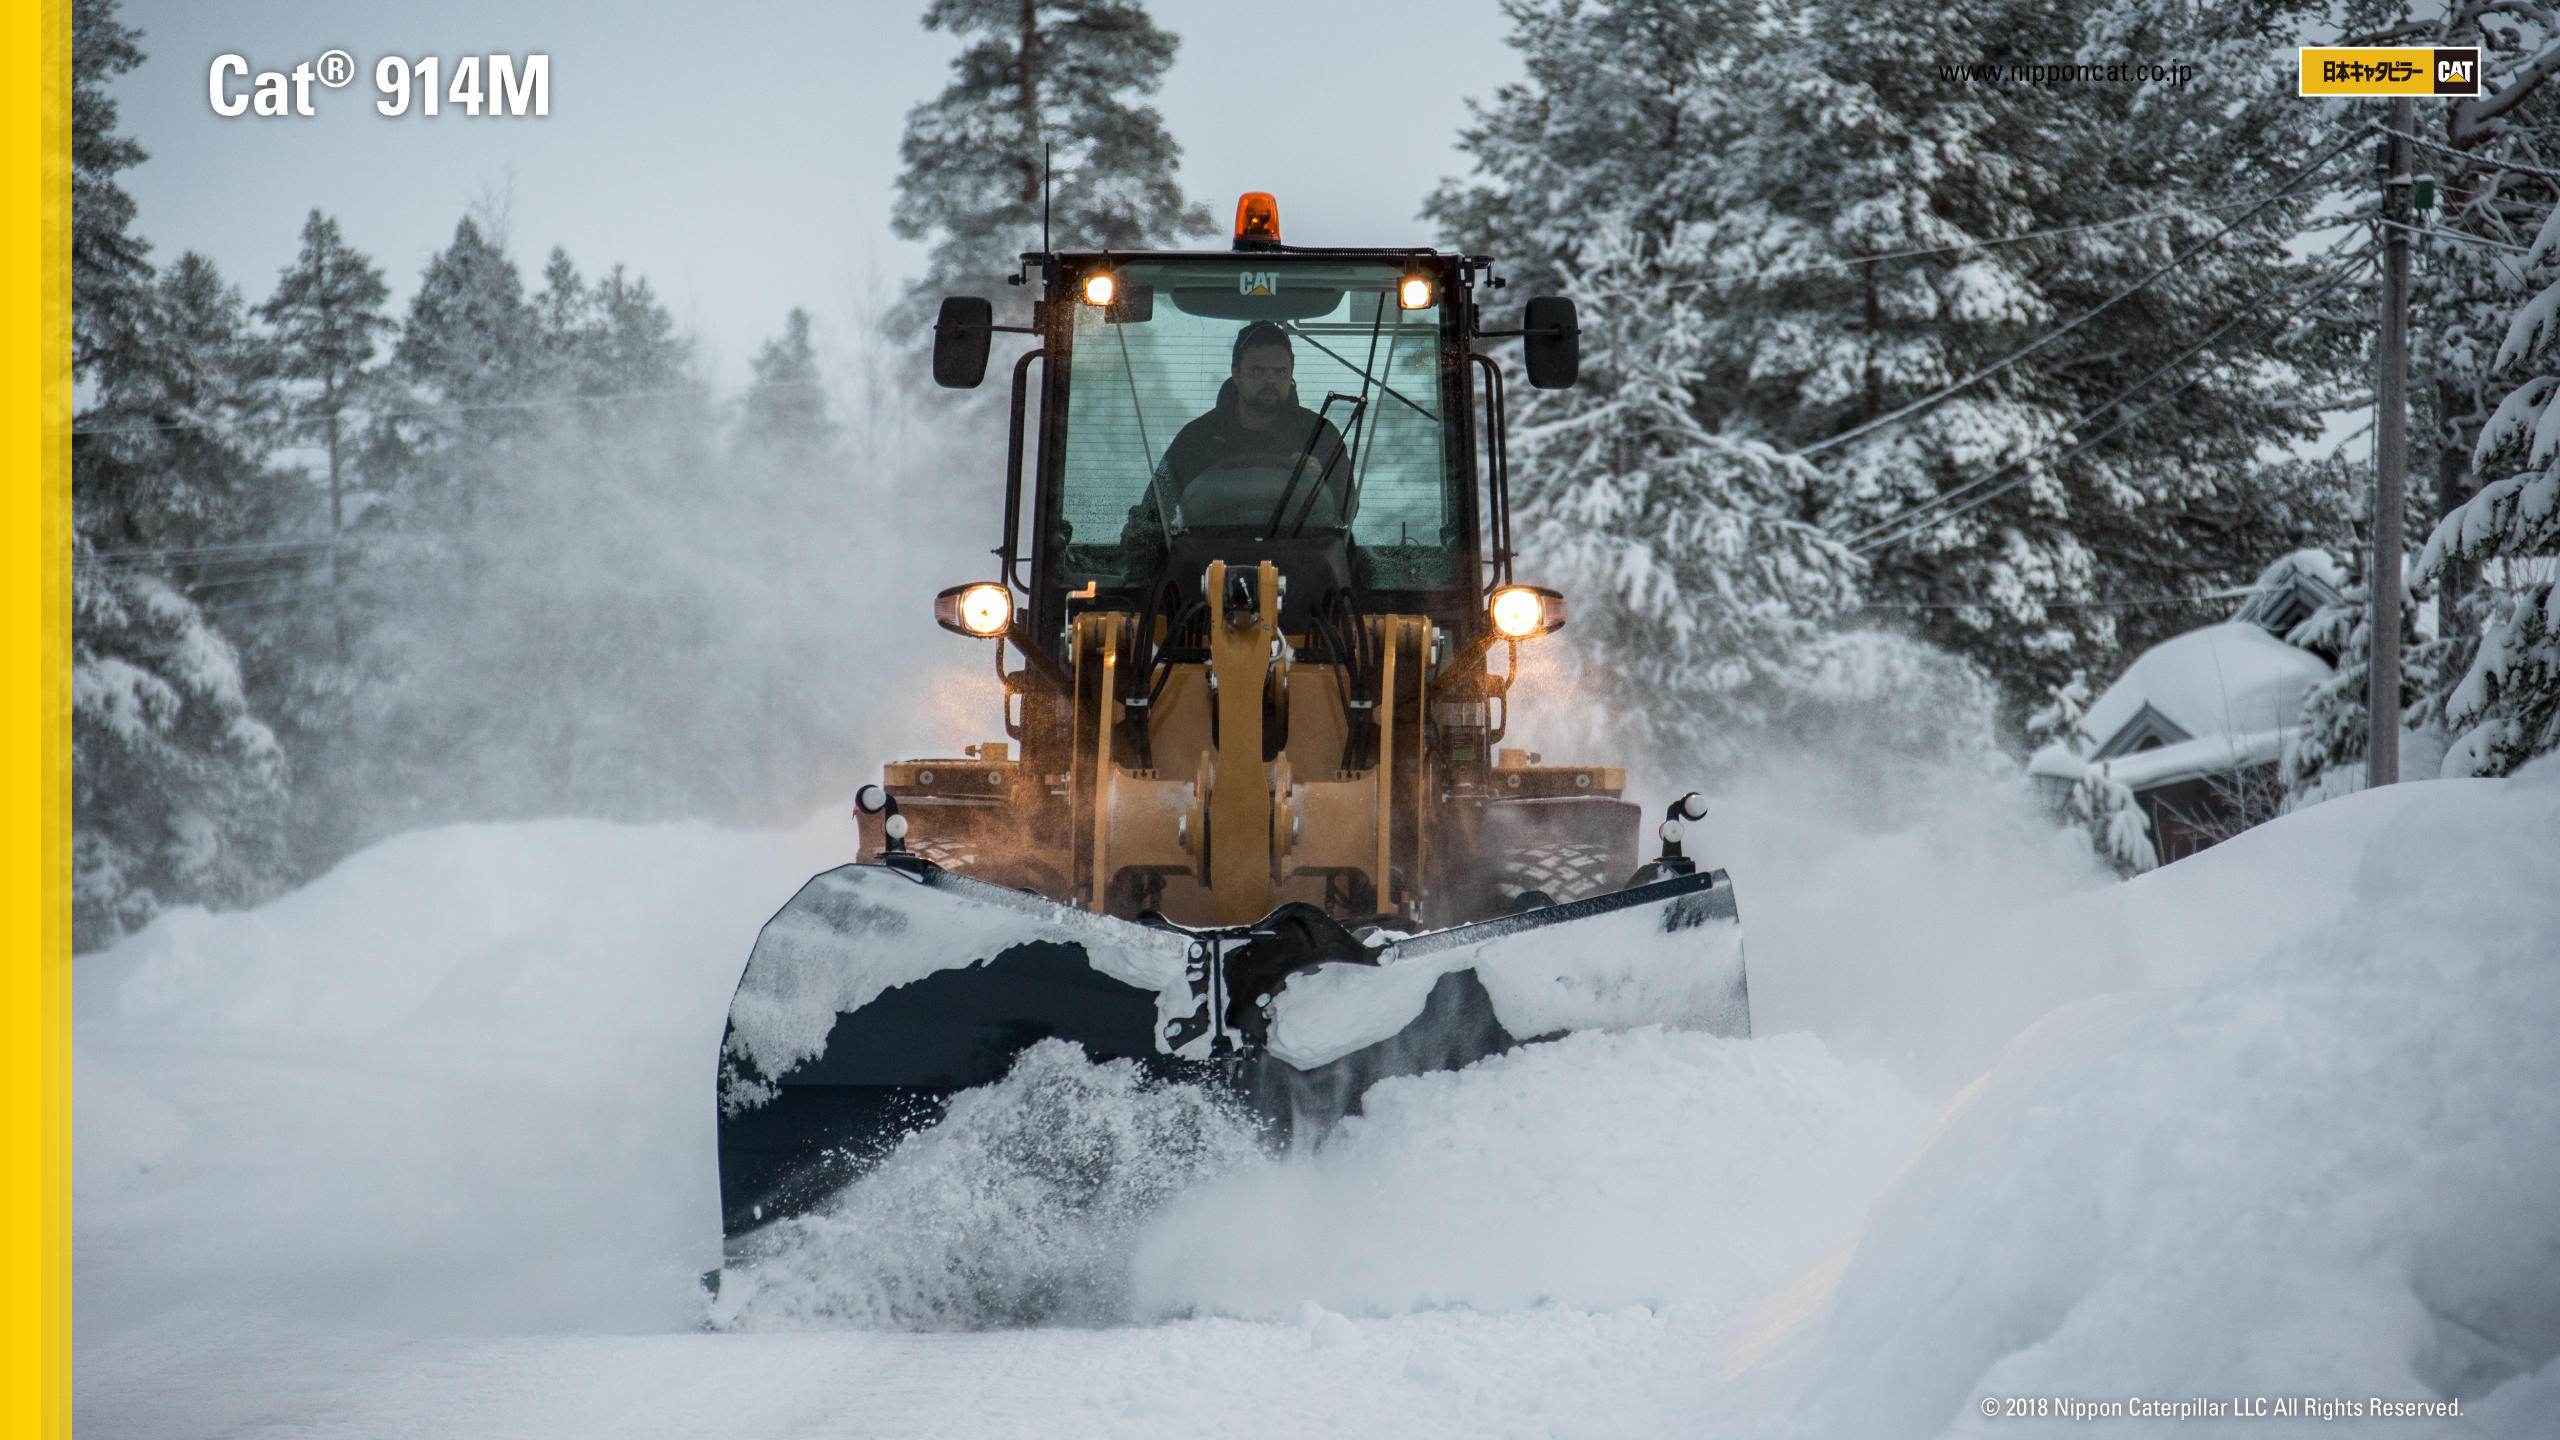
(881, 990)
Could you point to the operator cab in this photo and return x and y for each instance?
(1344, 478)
(1371, 477)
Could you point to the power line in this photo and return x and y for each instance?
(2101, 408)
(2481, 161)
(405, 413)
(2103, 306)
(2133, 603)
(1928, 522)
(2426, 233)
(242, 553)
(1814, 266)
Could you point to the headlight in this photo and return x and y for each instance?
(1099, 287)
(1520, 611)
(984, 609)
(1415, 292)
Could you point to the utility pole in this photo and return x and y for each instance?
(2390, 456)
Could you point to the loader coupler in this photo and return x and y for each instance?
(881, 990)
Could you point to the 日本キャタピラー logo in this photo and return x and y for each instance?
(2390, 70)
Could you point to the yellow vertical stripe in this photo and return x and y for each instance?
(35, 656)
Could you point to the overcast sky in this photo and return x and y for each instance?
(743, 159)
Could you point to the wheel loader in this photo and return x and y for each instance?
(1251, 822)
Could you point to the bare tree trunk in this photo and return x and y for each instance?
(1875, 322)
(337, 521)
(2453, 486)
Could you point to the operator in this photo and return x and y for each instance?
(1258, 420)
(1257, 423)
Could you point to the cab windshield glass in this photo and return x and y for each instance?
(1256, 397)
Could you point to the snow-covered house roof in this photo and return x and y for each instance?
(2292, 589)
(2194, 704)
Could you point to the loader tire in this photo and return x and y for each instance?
(1564, 869)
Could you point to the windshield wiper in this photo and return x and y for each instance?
(1341, 460)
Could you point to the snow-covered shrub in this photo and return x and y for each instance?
(177, 790)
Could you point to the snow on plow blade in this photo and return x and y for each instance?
(880, 990)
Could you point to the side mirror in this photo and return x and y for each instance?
(1551, 342)
(962, 334)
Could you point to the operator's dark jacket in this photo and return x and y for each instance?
(1221, 436)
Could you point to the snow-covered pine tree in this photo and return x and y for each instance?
(1996, 554)
(1066, 74)
(1791, 208)
(2469, 282)
(1699, 596)
(1620, 104)
(109, 275)
(468, 351)
(177, 789)
(786, 406)
(445, 464)
(2327, 759)
(2506, 705)
(326, 315)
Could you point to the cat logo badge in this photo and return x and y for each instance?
(1257, 282)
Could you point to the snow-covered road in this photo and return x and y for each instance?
(425, 1149)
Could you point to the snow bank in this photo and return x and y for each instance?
(2325, 1170)
(427, 1149)
(464, 1078)
(1594, 1172)
(1931, 947)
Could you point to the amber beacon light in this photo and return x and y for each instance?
(1257, 220)
(983, 609)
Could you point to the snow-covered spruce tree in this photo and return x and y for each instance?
(110, 277)
(786, 404)
(2506, 706)
(1620, 114)
(327, 319)
(2469, 293)
(445, 457)
(2327, 758)
(1700, 597)
(1791, 208)
(176, 787)
(1066, 74)
(1876, 156)
(177, 790)
(467, 354)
